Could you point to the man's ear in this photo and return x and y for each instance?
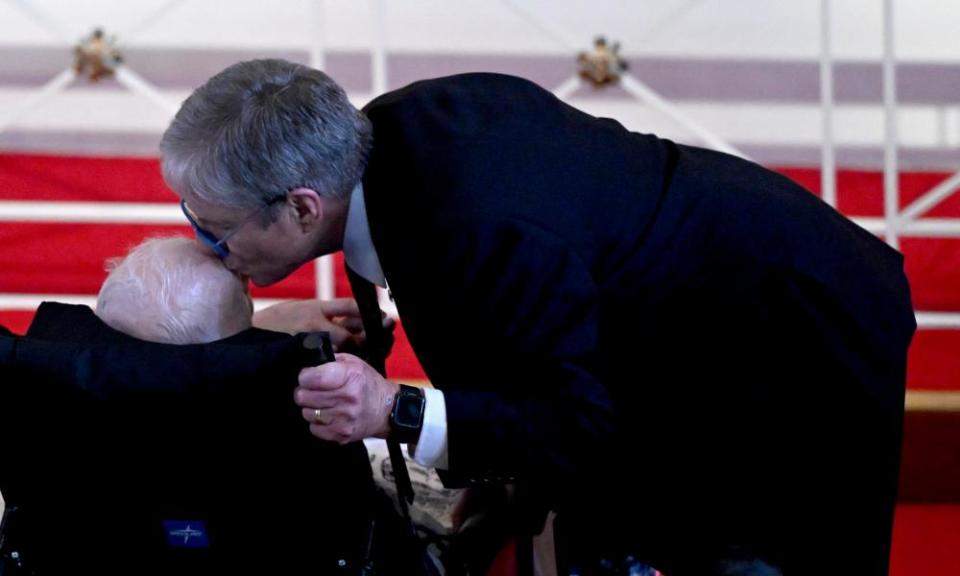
(309, 205)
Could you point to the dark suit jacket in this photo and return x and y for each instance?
(105, 437)
(640, 330)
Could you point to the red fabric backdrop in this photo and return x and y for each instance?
(51, 258)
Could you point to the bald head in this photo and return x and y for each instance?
(171, 290)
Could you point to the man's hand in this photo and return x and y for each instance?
(346, 400)
(340, 317)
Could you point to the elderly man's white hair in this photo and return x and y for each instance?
(171, 290)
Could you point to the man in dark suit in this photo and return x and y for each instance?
(689, 358)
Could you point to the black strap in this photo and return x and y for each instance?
(375, 348)
(375, 351)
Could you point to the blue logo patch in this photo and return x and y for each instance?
(186, 533)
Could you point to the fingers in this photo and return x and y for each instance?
(348, 358)
(333, 433)
(320, 416)
(326, 377)
(335, 424)
(331, 414)
(344, 400)
(339, 336)
(353, 324)
(311, 400)
(344, 313)
(326, 385)
(293, 316)
(340, 317)
(341, 307)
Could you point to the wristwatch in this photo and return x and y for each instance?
(406, 418)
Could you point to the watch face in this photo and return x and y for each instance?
(409, 410)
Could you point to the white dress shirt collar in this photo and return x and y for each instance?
(358, 250)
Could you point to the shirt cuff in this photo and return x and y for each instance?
(431, 448)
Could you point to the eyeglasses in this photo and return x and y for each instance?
(210, 240)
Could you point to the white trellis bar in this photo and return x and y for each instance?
(379, 52)
(91, 212)
(564, 39)
(936, 195)
(948, 320)
(922, 228)
(828, 169)
(647, 95)
(52, 25)
(891, 194)
(151, 19)
(324, 277)
(56, 85)
(136, 84)
(569, 86)
(318, 48)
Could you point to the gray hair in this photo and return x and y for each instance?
(170, 290)
(262, 128)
